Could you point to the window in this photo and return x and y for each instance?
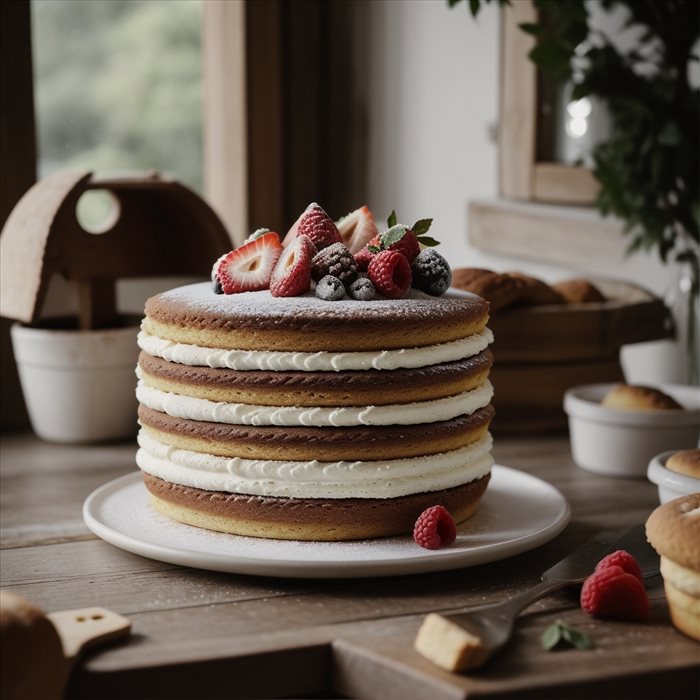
(118, 85)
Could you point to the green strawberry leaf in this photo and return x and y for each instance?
(428, 241)
(374, 248)
(421, 226)
(393, 235)
(392, 220)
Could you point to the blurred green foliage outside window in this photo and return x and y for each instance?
(118, 85)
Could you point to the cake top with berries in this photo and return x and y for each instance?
(343, 284)
(195, 314)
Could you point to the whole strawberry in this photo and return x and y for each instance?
(317, 225)
(435, 528)
(292, 274)
(390, 273)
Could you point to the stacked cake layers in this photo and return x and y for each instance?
(297, 418)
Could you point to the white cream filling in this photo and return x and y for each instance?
(192, 408)
(408, 358)
(380, 479)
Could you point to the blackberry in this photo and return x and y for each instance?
(330, 288)
(431, 272)
(362, 289)
(334, 260)
(216, 285)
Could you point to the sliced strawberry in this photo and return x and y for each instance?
(317, 225)
(249, 267)
(292, 274)
(357, 229)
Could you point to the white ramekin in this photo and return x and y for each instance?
(671, 484)
(621, 443)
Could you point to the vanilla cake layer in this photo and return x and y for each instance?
(297, 418)
(307, 443)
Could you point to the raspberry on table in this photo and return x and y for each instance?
(390, 273)
(435, 528)
(622, 559)
(335, 260)
(330, 288)
(611, 592)
(362, 289)
(431, 272)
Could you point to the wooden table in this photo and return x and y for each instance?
(210, 635)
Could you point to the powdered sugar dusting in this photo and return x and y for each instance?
(200, 299)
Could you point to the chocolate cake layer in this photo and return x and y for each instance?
(345, 388)
(308, 519)
(258, 321)
(323, 444)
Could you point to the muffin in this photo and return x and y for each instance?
(673, 529)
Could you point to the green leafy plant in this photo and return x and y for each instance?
(648, 166)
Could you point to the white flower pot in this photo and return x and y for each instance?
(79, 386)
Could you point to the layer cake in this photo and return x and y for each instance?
(297, 418)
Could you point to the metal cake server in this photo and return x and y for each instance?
(463, 641)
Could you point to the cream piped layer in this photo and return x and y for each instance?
(408, 358)
(381, 479)
(191, 408)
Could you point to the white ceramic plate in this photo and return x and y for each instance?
(518, 512)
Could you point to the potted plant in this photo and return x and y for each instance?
(648, 165)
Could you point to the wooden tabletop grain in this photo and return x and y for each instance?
(199, 634)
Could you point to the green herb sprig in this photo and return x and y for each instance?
(561, 634)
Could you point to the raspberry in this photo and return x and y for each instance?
(390, 273)
(335, 260)
(362, 289)
(611, 592)
(435, 528)
(330, 288)
(622, 559)
(364, 257)
(292, 274)
(431, 272)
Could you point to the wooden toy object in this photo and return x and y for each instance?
(160, 228)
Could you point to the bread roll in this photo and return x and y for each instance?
(627, 397)
(32, 664)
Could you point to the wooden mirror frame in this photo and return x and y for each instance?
(521, 176)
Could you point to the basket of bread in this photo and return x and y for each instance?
(551, 337)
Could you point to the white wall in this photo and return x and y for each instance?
(433, 79)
